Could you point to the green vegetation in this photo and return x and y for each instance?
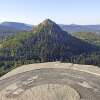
(89, 37)
(46, 43)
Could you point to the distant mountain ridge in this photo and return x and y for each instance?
(17, 26)
(11, 28)
(81, 28)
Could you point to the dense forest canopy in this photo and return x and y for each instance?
(89, 37)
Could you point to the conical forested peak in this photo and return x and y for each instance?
(48, 26)
(48, 22)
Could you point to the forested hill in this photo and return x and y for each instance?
(89, 37)
(8, 29)
(47, 42)
(16, 26)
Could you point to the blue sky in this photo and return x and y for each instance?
(61, 11)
